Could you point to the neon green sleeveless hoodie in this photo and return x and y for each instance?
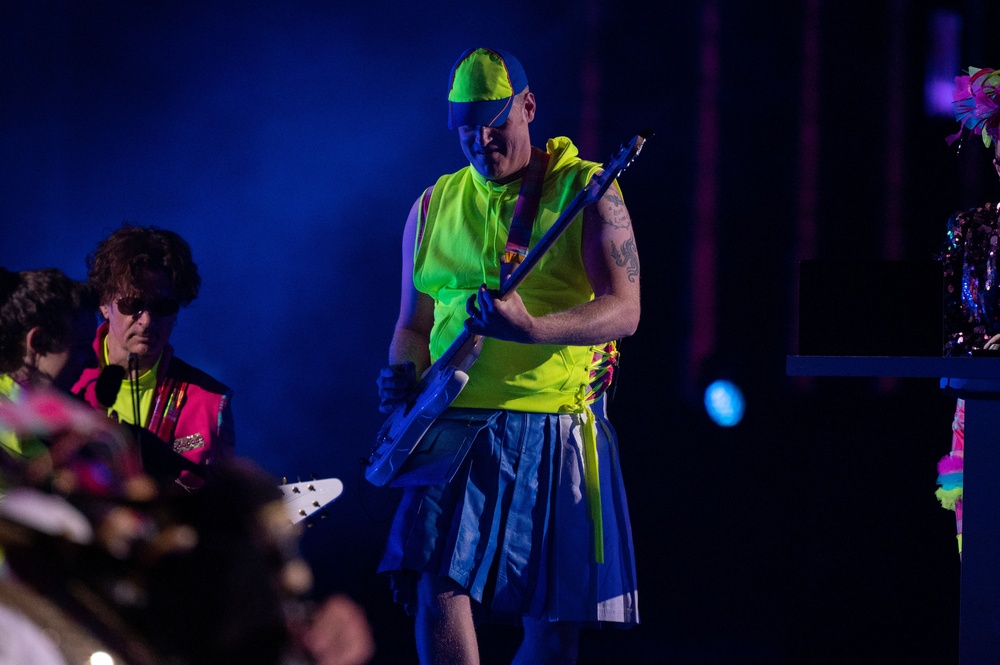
(459, 247)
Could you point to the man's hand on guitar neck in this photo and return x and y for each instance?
(507, 319)
(395, 385)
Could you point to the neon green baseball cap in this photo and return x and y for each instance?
(482, 86)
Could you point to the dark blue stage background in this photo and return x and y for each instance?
(287, 140)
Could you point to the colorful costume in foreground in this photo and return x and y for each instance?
(535, 521)
(145, 576)
(186, 407)
(950, 471)
(11, 443)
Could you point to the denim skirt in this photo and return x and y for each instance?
(512, 527)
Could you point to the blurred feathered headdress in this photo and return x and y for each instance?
(976, 104)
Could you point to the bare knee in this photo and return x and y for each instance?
(445, 632)
(441, 597)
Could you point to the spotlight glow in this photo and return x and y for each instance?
(724, 403)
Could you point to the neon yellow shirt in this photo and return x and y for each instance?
(463, 239)
(123, 405)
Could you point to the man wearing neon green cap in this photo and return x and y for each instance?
(533, 527)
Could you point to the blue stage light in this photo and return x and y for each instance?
(724, 403)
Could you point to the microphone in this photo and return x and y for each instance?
(133, 377)
(109, 382)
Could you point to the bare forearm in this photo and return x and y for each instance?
(410, 345)
(601, 320)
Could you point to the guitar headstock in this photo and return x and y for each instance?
(615, 166)
(305, 499)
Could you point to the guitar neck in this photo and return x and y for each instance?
(582, 199)
(457, 353)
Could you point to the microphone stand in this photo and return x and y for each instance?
(133, 377)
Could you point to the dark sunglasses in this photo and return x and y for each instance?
(155, 306)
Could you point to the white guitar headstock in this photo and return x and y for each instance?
(305, 499)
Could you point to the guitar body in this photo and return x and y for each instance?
(407, 425)
(446, 378)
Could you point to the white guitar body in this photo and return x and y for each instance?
(406, 426)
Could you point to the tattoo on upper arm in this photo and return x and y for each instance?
(627, 257)
(619, 213)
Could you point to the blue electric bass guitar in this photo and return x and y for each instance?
(446, 378)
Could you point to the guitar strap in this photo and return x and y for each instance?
(525, 212)
(170, 397)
